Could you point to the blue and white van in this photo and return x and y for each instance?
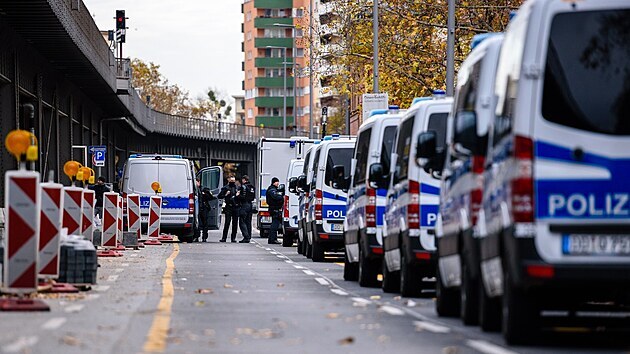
(366, 197)
(302, 191)
(327, 201)
(412, 201)
(555, 219)
(462, 182)
(176, 176)
(291, 205)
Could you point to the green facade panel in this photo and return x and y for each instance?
(273, 4)
(275, 82)
(273, 42)
(273, 102)
(273, 122)
(268, 22)
(264, 62)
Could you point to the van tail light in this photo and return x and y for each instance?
(413, 208)
(370, 208)
(124, 202)
(476, 194)
(264, 213)
(319, 204)
(286, 206)
(191, 203)
(522, 184)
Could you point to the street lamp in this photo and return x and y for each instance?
(292, 27)
(284, 94)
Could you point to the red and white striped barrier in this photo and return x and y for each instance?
(87, 226)
(73, 209)
(133, 213)
(155, 213)
(22, 230)
(120, 219)
(49, 230)
(109, 232)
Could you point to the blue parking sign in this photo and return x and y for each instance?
(98, 155)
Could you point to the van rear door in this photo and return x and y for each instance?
(581, 138)
(212, 178)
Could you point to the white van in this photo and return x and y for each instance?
(412, 201)
(176, 177)
(327, 201)
(290, 210)
(366, 198)
(556, 207)
(462, 182)
(302, 190)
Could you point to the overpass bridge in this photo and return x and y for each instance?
(53, 58)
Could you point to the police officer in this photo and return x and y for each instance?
(275, 200)
(246, 197)
(230, 194)
(204, 196)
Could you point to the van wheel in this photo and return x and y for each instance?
(520, 313)
(368, 268)
(309, 248)
(489, 311)
(468, 296)
(391, 280)
(264, 233)
(304, 244)
(287, 239)
(410, 281)
(299, 246)
(317, 251)
(350, 270)
(447, 300)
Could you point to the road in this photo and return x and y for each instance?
(248, 298)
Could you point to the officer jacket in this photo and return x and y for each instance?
(275, 198)
(231, 200)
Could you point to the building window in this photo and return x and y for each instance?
(249, 55)
(273, 112)
(250, 113)
(299, 52)
(299, 33)
(249, 16)
(299, 13)
(274, 53)
(249, 36)
(275, 33)
(249, 74)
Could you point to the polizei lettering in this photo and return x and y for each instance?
(589, 205)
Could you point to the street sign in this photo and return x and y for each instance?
(98, 155)
(373, 101)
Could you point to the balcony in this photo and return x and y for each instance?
(265, 62)
(273, 4)
(273, 122)
(273, 82)
(273, 42)
(268, 22)
(273, 102)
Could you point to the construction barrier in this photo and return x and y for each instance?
(109, 231)
(50, 230)
(155, 213)
(87, 226)
(133, 214)
(73, 209)
(22, 231)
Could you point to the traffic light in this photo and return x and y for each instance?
(120, 19)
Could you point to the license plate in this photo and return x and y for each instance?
(336, 227)
(596, 245)
(265, 219)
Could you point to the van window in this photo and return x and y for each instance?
(587, 74)
(403, 147)
(437, 123)
(315, 168)
(172, 176)
(362, 153)
(306, 163)
(337, 156)
(389, 135)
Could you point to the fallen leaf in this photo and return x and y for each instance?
(70, 340)
(332, 315)
(346, 341)
(397, 298)
(280, 285)
(411, 303)
(200, 303)
(205, 291)
(375, 297)
(383, 339)
(449, 350)
(235, 341)
(228, 286)
(209, 332)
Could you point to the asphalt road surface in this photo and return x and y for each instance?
(250, 298)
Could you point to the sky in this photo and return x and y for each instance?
(197, 43)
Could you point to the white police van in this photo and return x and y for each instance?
(291, 206)
(327, 200)
(555, 218)
(176, 176)
(303, 192)
(462, 181)
(366, 197)
(412, 200)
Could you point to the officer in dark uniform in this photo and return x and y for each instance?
(204, 196)
(275, 200)
(230, 194)
(246, 196)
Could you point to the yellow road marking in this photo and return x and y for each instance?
(156, 339)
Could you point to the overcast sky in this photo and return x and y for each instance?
(197, 43)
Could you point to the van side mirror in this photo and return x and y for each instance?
(465, 139)
(301, 183)
(293, 185)
(377, 176)
(427, 154)
(339, 177)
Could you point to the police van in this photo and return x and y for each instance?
(556, 206)
(274, 156)
(462, 181)
(412, 200)
(366, 199)
(303, 192)
(327, 200)
(176, 177)
(290, 209)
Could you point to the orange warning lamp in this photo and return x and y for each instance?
(92, 179)
(157, 188)
(18, 142)
(85, 173)
(71, 169)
